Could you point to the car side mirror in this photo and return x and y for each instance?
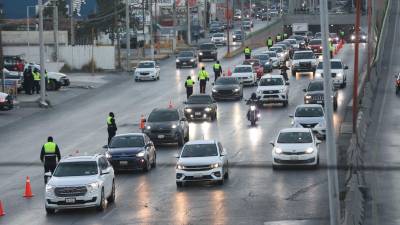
(176, 156)
(144, 120)
(346, 67)
(212, 83)
(291, 116)
(318, 142)
(185, 102)
(105, 146)
(304, 90)
(214, 101)
(272, 143)
(104, 172)
(158, 67)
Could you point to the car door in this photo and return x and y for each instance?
(107, 177)
(223, 157)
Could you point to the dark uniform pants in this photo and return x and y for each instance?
(189, 91)
(216, 75)
(111, 134)
(50, 164)
(203, 86)
(247, 56)
(36, 86)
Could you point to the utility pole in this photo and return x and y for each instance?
(356, 52)
(3, 78)
(55, 29)
(228, 22)
(189, 20)
(72, 23)
(143, 22)
(128, 35)
(333, 185)
(151, 31)
(42, 68)
(174, 24)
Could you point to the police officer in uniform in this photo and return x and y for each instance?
(111, 127)
(270, 42)
(217, 70)
(247, 52)
(278, 38)
(331, 49)
(189, 86)
(285, 36)
(36, 81)
(50, 155)
(203, 78)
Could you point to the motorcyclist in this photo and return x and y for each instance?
(253, 100)
(284, 69)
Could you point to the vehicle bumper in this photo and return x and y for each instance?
(151, 76)
(233, 95)
(64, 82)
(163, 137)
(306, 159)
(127, 163)
(198, 115)
(312, 101)
(273, 98)
(209, 175)
(186, 63)
(87, 201)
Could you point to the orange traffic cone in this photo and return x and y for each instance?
(229, 72)
(170, 104)
(2, 213)
(141, 124)
(28, 190)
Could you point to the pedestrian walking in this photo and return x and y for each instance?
(203, 78)
(189, 86)
(111, 127)
(50, 155)
(217, 70)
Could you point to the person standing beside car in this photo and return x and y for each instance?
(50, 155)
(36, 81)
(111, 127)
(28, 81)
(203, 78)
(217, 70)
(189, 86)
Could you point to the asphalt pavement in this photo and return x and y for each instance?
(254, 194)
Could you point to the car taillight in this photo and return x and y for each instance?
(2, 99)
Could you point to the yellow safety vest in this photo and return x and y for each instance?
(285, 35)
(50, 148)
(269, 42)
(331, 48)
(203, 75)
(109, 120)
(189, 83)
(36, 76)
(247, 51)
(217, 66)
(278, 38)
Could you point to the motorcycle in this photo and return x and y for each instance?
(253, 115)
(397, 84)
(284, 74)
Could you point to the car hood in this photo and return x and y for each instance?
(161, 125)
(242, 74)
(297, 147)
(125, 151)
(145, 70)
(225, 87)
(55, 75)
(308, 120)
(197, 161)
(197, 105)
(72, 181)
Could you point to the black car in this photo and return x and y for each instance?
(201, 106)
(314, 94)
(6, 102)
(237, 36)
(131, 151)
(167, 125)
(186, 58)
(207, 51)
(227, 88)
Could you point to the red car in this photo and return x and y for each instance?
(316, 46)
(256, 66)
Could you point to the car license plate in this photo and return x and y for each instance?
(197, 113)
(319, 102)
(294, 158)
(123, 163)
(70, 200)
(197, 175)
(184, 63)
(161, 136)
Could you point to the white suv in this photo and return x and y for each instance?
(80, 182)
(338, 72)
(310, 116)
(304, 61)
(245, 74)
(203, 160)
(273, 89)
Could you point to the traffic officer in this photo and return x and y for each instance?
(203, 78)
(285, 36)
(217, 70)
(50, 155)
(111, 127)
(28, 81)
(278, 38)
(270, 42)
(36, 81)
(189, 86)
(331, 49)
(247, 52)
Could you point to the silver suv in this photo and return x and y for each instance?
(80, 182)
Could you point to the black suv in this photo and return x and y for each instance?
(167, 125)
(315, 94)
(207, 51)
(186, 58)
(201, 107)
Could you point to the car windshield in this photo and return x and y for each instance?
(242, 69)
(283, 46)
(298, 38)
(271, 82)
(251, 62)
(295, 137)
(127, 142)
(163, 116)
(334, 65)
(263, 57)
(316, 86)
(315, 42)
(218, 35)
(238, 32)
(199, 99)
(207, 46)
(271, 54)
(69, 169)
(292, 41)
(146, 65)
(303, 55)
(226, 81)
(186, 54)
(309, 112)
(199, 150)
(276, 49)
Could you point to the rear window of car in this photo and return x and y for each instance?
(295, 137)
(163, 116)
(334, 65)
(133, 141)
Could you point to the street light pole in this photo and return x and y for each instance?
(333, 185)
(227, 29)
(356, 52)
(55, 29)
(128, 35)
(42, 68)
(151, 30)
(189, 20)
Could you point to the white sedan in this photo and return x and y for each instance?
(245, 74)
(310, 116)
(147, 70)
(295, 146)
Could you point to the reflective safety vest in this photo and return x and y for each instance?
(203, 75)
(278, 38)
(217, 66)
(331, 48)
(270, 42)
(247, 51)
(189, 83)
(285, 35)
(36, 76)
(50, 148)
(109, 120)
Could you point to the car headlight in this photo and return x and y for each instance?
(353, 37)
(174, 126)
(188, 110)
(278, 150)
(252, 107)
(200, 53)
(308, 97)
(92, 186)
(177, 60)
(192, 60)
(148, 127)
(141, 154)
(364, 37)
(259, 92)
(339, 74)
(108, 155)
(180, 167)
(49, 188)
(236, 90)
(208, 109)
(318, 75)
(309, 150)
(215, 165)
(233, 36)
(215, 91)
(267, 63)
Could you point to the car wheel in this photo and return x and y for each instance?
(275, 167)
(181, 141)
(158, 77)
(111, 199)
(102, 206)
(179, 184)
(226, 175)
(147, 166)
(154, 164)
(136, 80)
(50, 211)
(187, 138)
(214, 116)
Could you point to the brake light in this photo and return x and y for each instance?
(2, 100)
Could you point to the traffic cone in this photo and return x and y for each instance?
(2, 213)
(28, 190)
(170, 104)
(229, 72)
(141, 124)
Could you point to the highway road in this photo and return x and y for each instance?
(254, 194)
